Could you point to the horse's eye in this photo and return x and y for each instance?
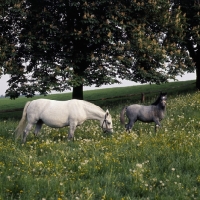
(108, 123)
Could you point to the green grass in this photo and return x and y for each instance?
(104, 97)
(137, 165)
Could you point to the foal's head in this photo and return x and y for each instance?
(161, 100)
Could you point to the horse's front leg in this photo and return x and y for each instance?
(72, 129)
(157, 124)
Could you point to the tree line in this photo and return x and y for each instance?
(61, 44)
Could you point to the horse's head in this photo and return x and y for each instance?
(106, 123)
(163, 99)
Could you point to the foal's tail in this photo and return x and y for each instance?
(21, 126)
(122, 119)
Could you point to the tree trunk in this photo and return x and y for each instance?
(198, 69)
(196, 59)
(77, 92)
(198, 76)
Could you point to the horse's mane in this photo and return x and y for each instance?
(87, 103)
(158, 99)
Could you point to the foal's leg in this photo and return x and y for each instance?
(130, 125)
(157, 124)
(26, 131)
(38, 127)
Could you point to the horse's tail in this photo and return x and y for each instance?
(122, 118)
(21, 126)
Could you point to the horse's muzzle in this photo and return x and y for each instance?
(108, 130)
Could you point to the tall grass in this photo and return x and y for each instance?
(137, 165)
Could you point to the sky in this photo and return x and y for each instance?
(124, 83)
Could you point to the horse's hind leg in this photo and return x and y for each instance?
(130, 125)
(38, 127)
(26, 131)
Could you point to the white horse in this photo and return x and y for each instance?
(57, 114)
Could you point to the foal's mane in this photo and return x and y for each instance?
(158, 99)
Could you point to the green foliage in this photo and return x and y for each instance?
(190, 18)
(71, 43)
(139, 165)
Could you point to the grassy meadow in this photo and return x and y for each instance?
(99, 166)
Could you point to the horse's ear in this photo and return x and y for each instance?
(107, 112)
(163, 94)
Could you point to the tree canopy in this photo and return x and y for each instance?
(55, 45)
(191, 32)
